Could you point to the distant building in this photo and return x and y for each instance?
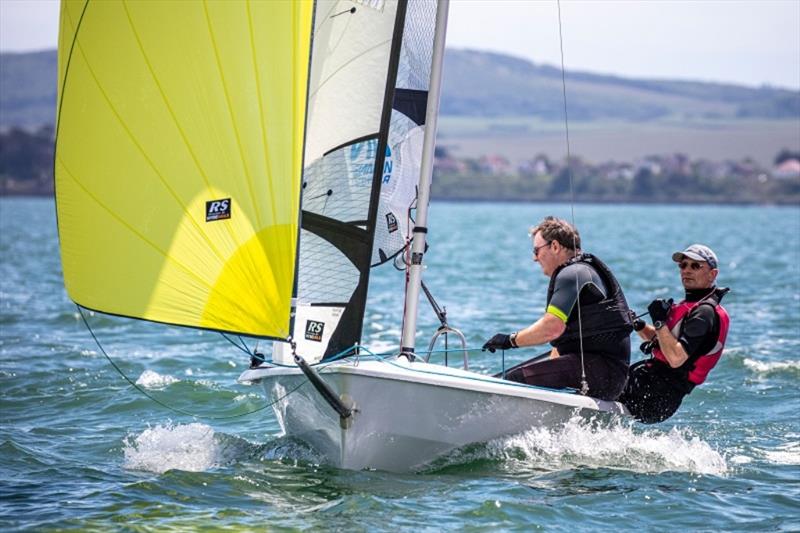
(494, 164)
(537, 167)
(787, 170)
(445, 162)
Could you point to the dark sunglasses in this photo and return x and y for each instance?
(537, 248)
(683, 265)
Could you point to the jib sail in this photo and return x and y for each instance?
(370, 69)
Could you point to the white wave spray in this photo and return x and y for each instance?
(191, 447)
(153, 380)
(582, 443)
(784, 454)
(762, 367)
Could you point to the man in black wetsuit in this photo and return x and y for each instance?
(686, 340)
(583, 300)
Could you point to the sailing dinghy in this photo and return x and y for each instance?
(240, 167)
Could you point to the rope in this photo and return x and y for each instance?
(584, 383)
(164, 405)
(245, 349)
(345, 353)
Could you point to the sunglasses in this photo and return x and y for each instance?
(537, 248)
(683, 265)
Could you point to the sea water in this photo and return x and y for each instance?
(81, 449)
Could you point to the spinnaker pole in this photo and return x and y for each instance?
(407, 342)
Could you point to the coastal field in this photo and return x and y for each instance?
(519, 138)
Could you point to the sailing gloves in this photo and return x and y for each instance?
(501, 341)
(658, 309)
(638, 323)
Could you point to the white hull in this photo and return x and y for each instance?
(410, 413)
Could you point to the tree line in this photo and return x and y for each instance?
(26, 161)
(26, 168)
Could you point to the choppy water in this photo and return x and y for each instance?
(80, 449)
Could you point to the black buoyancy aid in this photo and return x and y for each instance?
(606, 321)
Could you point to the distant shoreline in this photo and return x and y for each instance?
(754, 203)
(582, 201)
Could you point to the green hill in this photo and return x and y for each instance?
(28, 89)
(479, 84)
(485, 84)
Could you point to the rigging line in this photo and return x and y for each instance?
(479, 378)
(159, 402)
(584, 383)
(244, 349)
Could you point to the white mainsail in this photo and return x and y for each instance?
(370, 67)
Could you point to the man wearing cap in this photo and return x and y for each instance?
(586, 319)
(685, 339)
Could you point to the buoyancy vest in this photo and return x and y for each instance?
(605, 322)
(696, 368)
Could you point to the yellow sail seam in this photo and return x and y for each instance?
(154, 246)
(130, 228)
(143, 153)
(248, 177)
(200, 169)
(261, 116)
(346, 64)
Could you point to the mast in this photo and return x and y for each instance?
(420, 229)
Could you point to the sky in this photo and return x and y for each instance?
(748, 42)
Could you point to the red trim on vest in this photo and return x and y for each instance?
(704, 363)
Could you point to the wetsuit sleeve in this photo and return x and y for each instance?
(700, 331)
(565, 291)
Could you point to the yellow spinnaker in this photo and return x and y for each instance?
(166, 107)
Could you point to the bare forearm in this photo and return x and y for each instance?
(671, 348)
(544, 330)
(647, 332)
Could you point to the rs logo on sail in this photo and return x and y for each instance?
(218, 209)
(314, 330)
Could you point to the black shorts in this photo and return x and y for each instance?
(652, 395)
(605, 375)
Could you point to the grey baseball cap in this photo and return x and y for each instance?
(698, 252)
